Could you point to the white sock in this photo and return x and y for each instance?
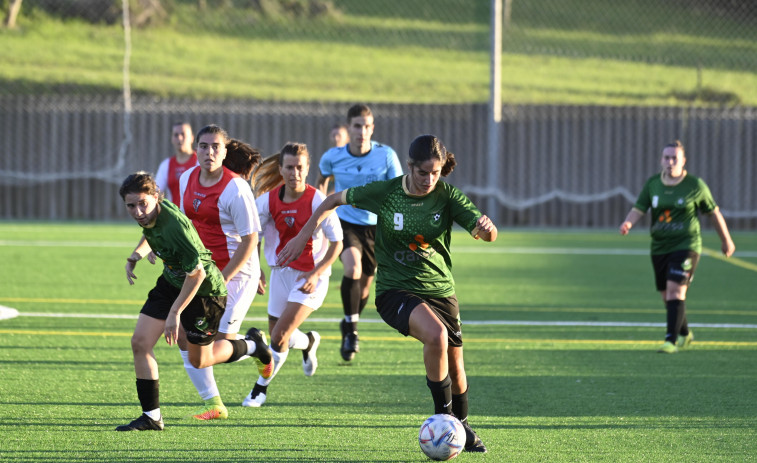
(278, 360)
(299, 340)
(154, 414)
(202, 378)
(354, 318)
(250, 347)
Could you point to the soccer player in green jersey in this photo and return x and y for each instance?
(415, 291)
(190, 292)
(675, 199)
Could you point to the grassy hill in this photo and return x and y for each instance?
(564, 52)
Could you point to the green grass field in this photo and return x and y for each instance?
(560, 334)
(587, 52)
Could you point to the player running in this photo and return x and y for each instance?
(415, 291)
(358, 162)
(222, 209)
(190, 292)
(297, 290)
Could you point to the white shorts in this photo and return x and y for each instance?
(284, 286)
(242, 290)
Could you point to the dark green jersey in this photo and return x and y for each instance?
(675, 222)
(413, 234)
(175, 240)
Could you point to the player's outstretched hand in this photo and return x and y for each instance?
(261, 283)
(625, 227)
(130, 271)
(485, 229)
(728, 248)
(151, 257)
(171, 329)
(292, 250)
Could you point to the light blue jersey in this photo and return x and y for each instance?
(380, 163)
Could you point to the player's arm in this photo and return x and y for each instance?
(294, 247)
(322, 183)
(634, 215)
(142, 249)
(241, 256)
(721, 228)
(192, 283)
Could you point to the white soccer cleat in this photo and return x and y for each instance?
(309, 359)
(256, 397)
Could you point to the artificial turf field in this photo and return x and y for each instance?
(560, 330)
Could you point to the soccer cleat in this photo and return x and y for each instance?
(143, 423)
(309, 359)
(262, 355)
(212, 412)
(256, 397)
(349, 342)
(668, 348)
(472, 441)
(685, 341)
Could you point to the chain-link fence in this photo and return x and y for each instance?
(87, 91)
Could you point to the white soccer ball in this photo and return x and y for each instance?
(442, 437)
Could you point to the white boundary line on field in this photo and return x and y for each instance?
(7, 312)
(470, 322)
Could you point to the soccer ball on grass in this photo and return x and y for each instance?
(442, 437)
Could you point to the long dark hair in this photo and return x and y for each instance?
(139, 182)
(426, 147)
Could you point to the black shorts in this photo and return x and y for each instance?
(362, 237)
(677, 266)
(395, 306)
(200, 319)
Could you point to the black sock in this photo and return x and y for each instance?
(460, 406)
(311, 341)
(239, 347)
(148, 394)
(676, 314)
(350, 297)
(441, 393)
(683, 328)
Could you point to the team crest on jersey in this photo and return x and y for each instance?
(289, 221)
(655, 200)
(201, 323)
(436, 219)
(196, 204)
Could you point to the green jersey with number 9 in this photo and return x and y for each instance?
(413, 233)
